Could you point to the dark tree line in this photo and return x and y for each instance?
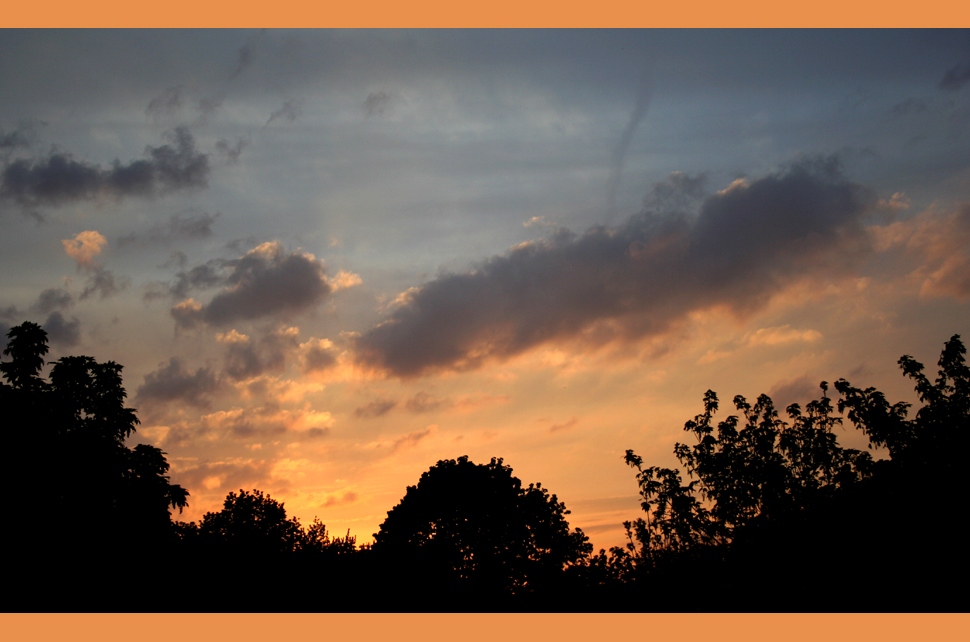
(765, 514)
(778, 515)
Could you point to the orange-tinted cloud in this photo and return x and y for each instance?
(935, 246)
(84, 248)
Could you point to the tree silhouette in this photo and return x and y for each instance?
(68, 442)
(474, 528)
(762, 470)
(775, 503)
(251, 523)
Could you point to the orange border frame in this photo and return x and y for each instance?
(495, 13)
(511, 627)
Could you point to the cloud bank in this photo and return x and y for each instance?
(59, 178)
(740, 246)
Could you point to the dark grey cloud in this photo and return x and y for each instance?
(209, 105)
(10, 316)
(955, 77)
(166, 104)
(23, 136)
(177, 258)
(318, 357)
(740, 247)
(265, 281)
(242, 245)
(59, 178)
(52, 299)
(200, 277)
(247, 53)
(62, 332)
(172, 382)
(178, 228)
(247, 358)
(379, 103)
(376, 408)
(909, 106)
(288, 112)
(231, 151)
(10, 313)
(103, 283)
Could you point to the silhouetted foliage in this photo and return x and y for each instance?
(774, 502)
(68, 449)
(477, 531)
(253, 523)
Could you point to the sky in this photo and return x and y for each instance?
(329, 259)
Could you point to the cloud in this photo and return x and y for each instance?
(909, 106)
(267, 421)
(265, 281)
(84, 247)
(376, 408)
(220, 476)
(209, 105)
(344, 280)
(564, 426)
(800, 390)
(379, 103)
(23, 136)
(62, 332)
(744, 245)
(59, 179)
(335, 499)
(781, 335)
(423, 402)
(938, 243)
(103, 283)
(167, 104)
(288, 112)
(171, 382)
(618, 158)
(246, 358)
(247, 53)
(318, 355)
(52, 299)
(178, 228)
(201, 277)
(231, 151)
(411, 439)
(956, 77)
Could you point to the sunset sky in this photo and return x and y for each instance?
(329, 259)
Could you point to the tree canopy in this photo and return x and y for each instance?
(69, 439)
(481, 528)
(772, 501)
